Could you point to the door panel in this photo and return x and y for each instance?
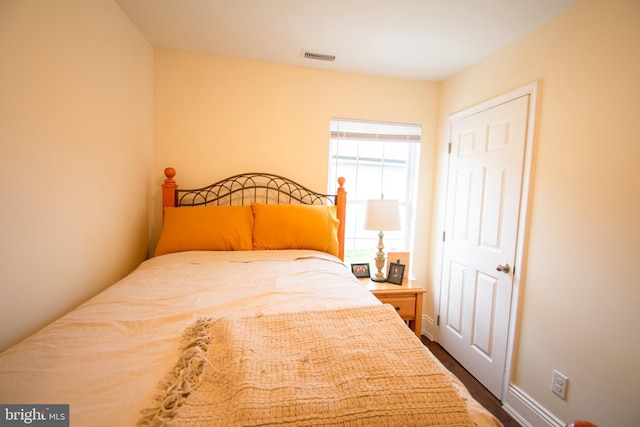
(492, 208)
(481, 227)
(462, 186)
(482, 336)
(455, 308)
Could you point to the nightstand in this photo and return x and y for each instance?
(406, 298)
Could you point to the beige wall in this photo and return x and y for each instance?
(215, 117)
(578, 312)
(75, 154)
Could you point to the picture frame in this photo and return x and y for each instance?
(360, 270)
(399, 258)
(396, 273)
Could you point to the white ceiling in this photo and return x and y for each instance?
(414, 39)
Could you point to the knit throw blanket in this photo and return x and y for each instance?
(348, 367)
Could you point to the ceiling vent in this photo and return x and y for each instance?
(318, 56)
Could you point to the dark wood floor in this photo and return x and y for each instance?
(477, 390)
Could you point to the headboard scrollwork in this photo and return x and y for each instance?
(246, 188)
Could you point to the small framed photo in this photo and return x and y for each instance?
(360, 270)
(396, 273)
(399, 258)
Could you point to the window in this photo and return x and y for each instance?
(376, 159)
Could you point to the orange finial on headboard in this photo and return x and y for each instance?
(169, 173)
(341, 204)
(169, 188)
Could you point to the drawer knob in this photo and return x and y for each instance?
(397, 308)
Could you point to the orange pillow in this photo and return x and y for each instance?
(295, 227)
(206, 228)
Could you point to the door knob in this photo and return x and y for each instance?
(503, 268)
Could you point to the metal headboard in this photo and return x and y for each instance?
(246, 188)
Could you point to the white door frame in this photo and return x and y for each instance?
(531, 90)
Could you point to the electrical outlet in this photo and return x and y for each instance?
(559, 384)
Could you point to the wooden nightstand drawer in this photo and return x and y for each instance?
(405, 306)
(405, 298)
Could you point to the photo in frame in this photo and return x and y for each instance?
(396, 273)
(360, 270)
(399, 258)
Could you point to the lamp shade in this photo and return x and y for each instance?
(382, 215)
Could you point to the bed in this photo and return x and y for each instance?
(247, 315)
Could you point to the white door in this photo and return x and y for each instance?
(485, 178)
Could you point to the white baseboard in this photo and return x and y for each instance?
(428, 327)
(526, 411)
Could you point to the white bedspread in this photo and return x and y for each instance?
(106, 358)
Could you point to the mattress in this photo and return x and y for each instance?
(107, 358)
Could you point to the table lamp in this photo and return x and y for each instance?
(382, 215)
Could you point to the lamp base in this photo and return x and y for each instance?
(379, 259)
